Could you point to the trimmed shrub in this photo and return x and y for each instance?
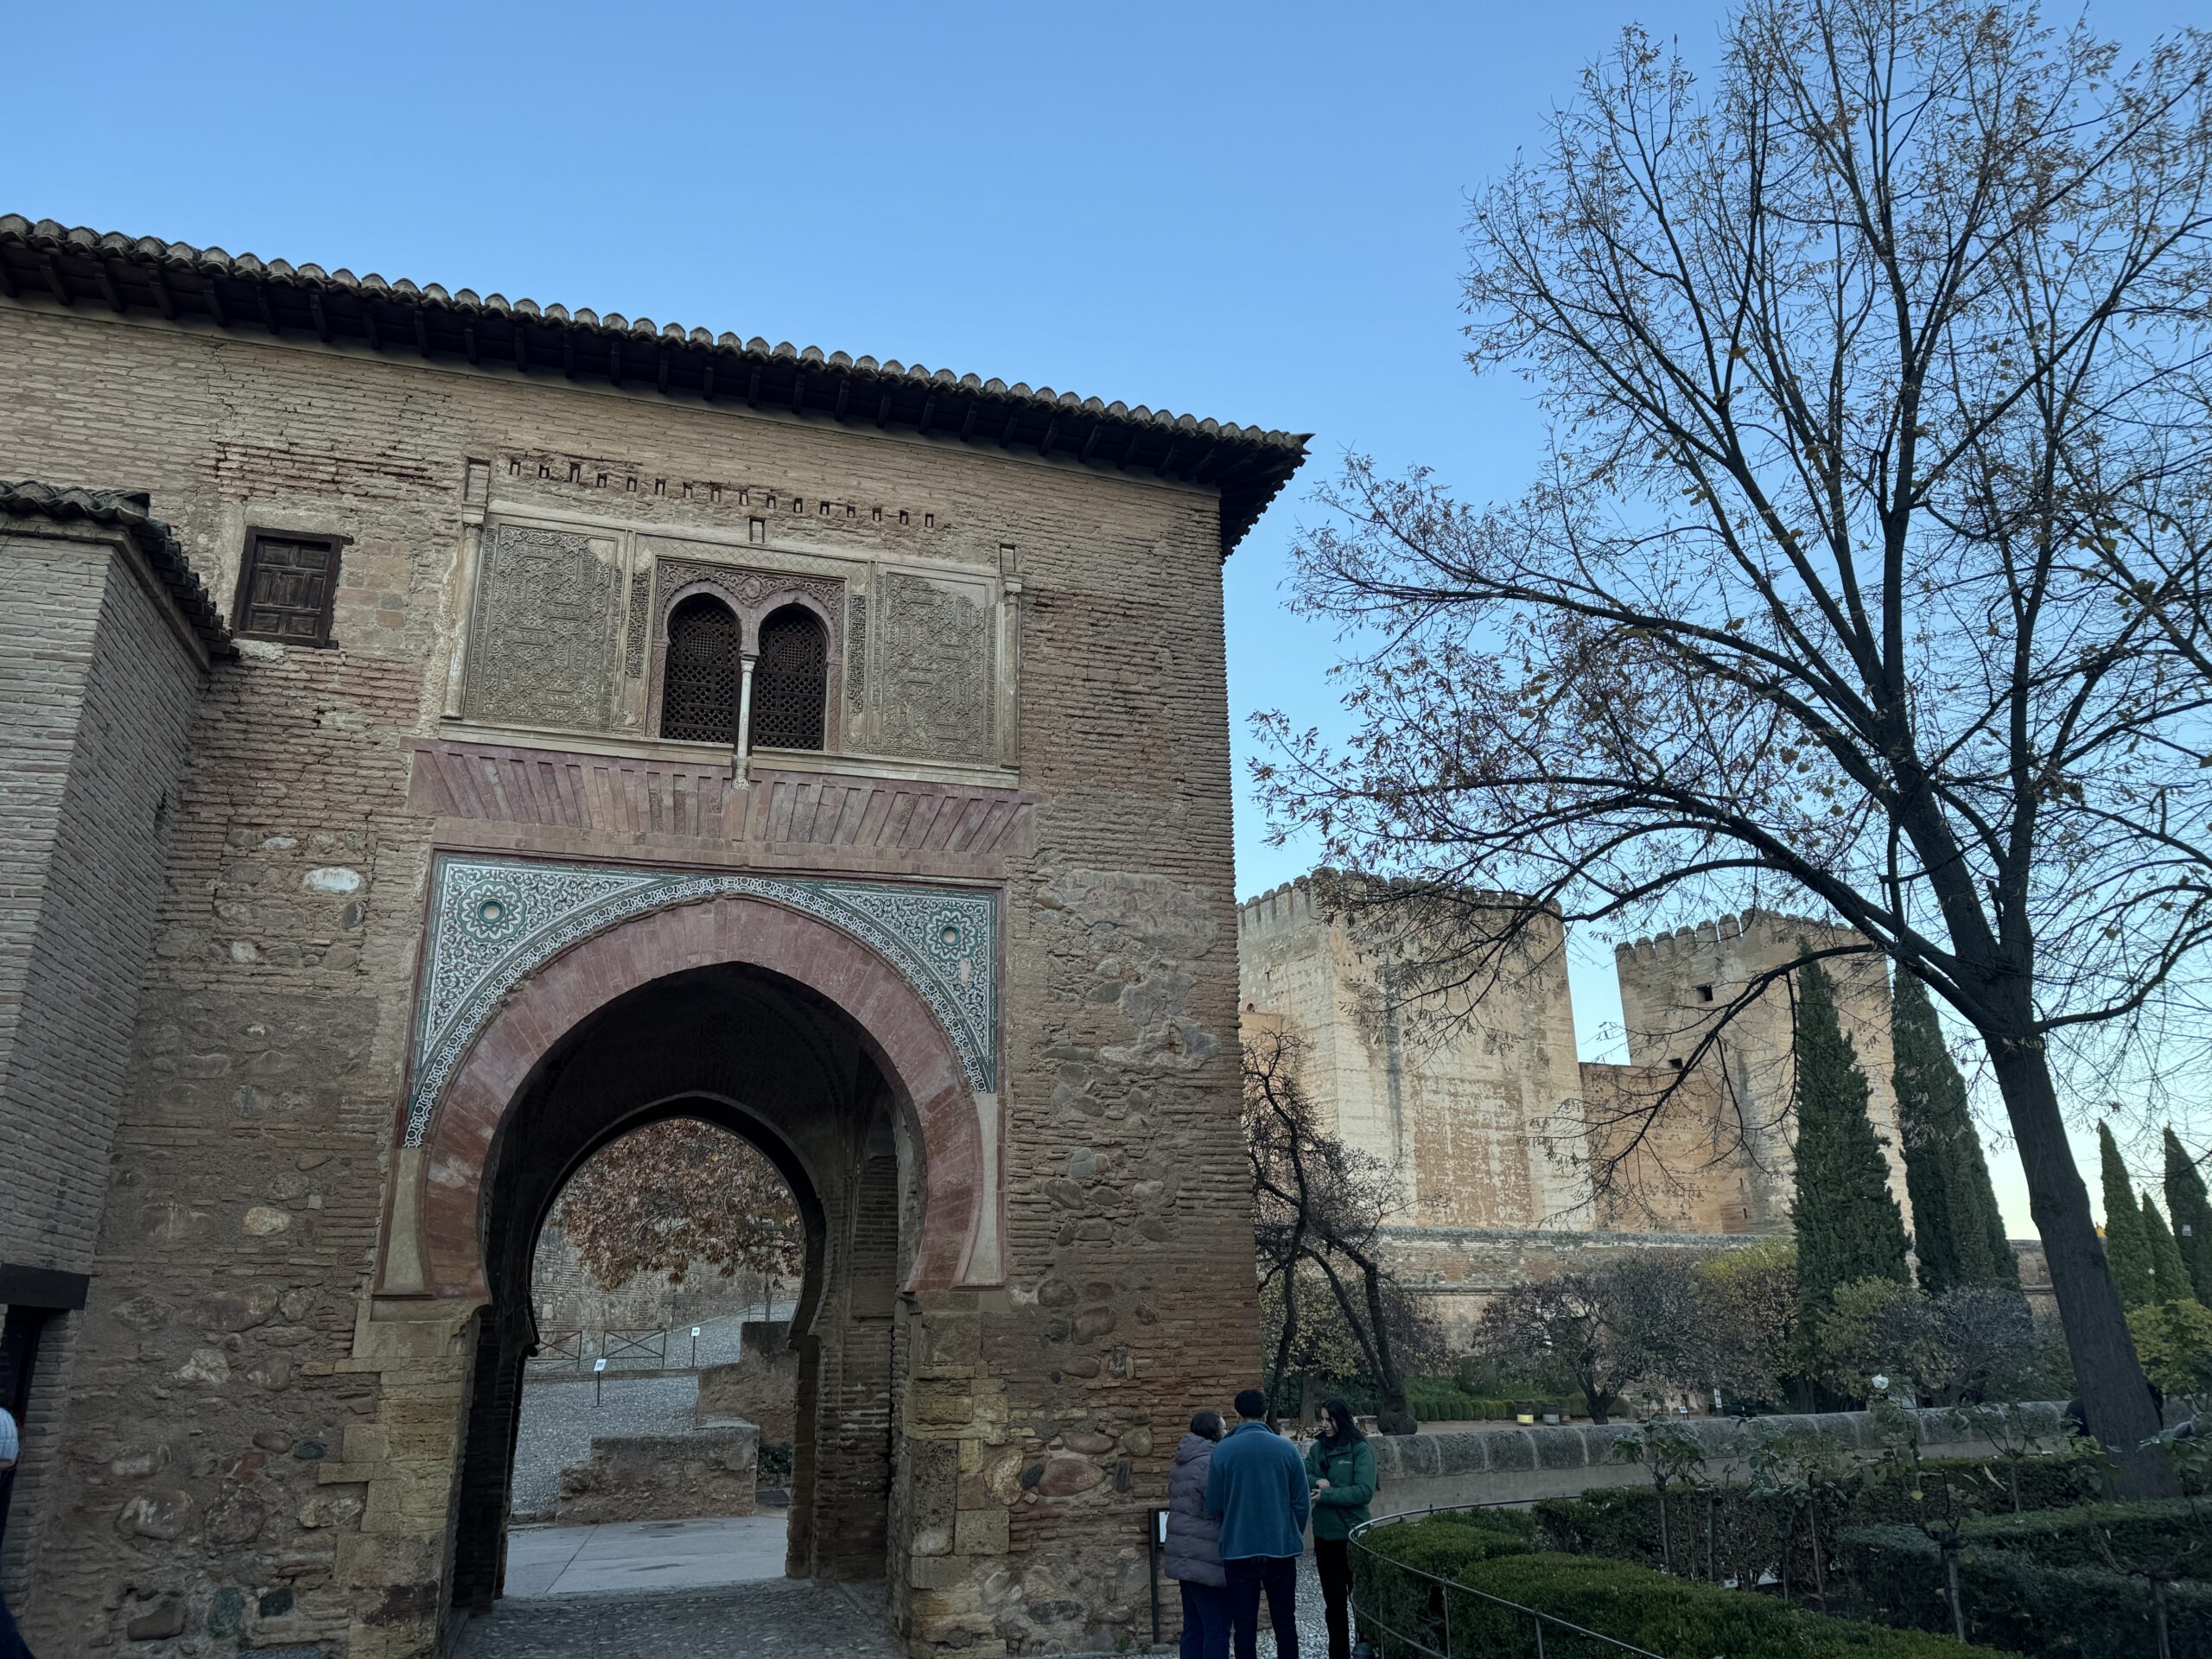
(1514, 1519)
(1748, 1533)
(2170, 1531)
(1667, 1615)
(2048, 1612)
(1443, 1402)
(1443, 1544)
(1982, 1483)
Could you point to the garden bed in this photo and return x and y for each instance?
(1469, 1586)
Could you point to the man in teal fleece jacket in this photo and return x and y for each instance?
(1257, 1489)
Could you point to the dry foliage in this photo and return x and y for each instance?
(678, 1197)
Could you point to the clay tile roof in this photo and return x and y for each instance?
(48, 262)
(129, 511)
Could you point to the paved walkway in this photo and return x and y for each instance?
(628, 1556)
(769, 1617)
(773, 1619)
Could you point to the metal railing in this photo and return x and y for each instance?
(1390, 1643)
(558, 1351)
(648, 1348)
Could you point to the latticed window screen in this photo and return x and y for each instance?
(790, 681)
(698, 695)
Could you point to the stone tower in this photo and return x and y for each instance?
(1674, 987)
(1479, 1115)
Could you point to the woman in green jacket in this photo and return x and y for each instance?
(1341, 1465)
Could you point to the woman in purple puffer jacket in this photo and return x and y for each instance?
(1193, 1548)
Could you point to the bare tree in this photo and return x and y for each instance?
(1863, 572)
(1320, 1205)
(1633, 1320)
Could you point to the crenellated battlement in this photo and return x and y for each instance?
(1707, 935)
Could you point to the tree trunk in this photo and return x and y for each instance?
(2115, 1396)
(1392, 1416)
(1951, 1582)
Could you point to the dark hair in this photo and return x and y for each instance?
(1347, 1426)
(1206, 1425)
(1251, 1403)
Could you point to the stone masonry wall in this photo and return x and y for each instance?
(569, 1297)
(256, 1456)
(97, 691)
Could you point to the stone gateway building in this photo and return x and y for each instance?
(443, 734)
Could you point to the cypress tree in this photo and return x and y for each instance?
(2192, 1215)
(1847, 1224)
(1958, 1233)
(2127, 1251)
(2169, 1278)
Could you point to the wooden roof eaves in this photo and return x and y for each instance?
(1246, 466)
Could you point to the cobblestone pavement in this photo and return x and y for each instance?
(783, 1618)
(558, 1420)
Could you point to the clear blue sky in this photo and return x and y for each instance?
(1251, 211)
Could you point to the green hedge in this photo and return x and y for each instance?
(1667, 1615)
(1747, 1532)
(2173, 1531)
(1750, 1533)
(1443, 1544)
(1440, 1400)
(1985, 1484)
(2049, 1613)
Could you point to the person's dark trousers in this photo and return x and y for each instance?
(1332, 1562)
(1278, 1576)
(11, 1641)
(1205, 1621)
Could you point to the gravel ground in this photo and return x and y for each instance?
(558, 1420)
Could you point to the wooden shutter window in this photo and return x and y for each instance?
(287, 589)
(790, 681)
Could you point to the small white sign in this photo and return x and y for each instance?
(694, 1330)
(599, 1364)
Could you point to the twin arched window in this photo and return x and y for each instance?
(700, 681)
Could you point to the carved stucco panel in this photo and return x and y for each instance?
(494, 922)
(547, 616)
(933, 664)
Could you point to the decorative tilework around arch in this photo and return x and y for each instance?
(494, 922)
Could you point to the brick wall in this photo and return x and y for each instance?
(256, 1453)
(99, 685)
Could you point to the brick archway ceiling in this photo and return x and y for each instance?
(745, 1052)
(47, 261)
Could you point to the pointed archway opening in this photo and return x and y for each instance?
(768, 1059)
